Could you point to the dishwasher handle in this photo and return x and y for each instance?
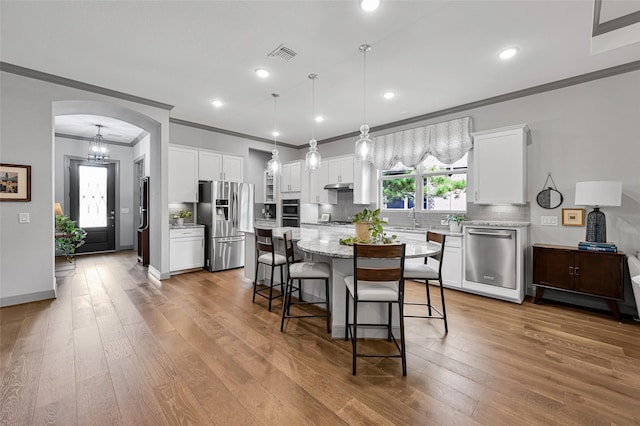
(491, 234)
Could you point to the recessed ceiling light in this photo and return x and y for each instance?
(508, 53)
(369, 5)
(275, 133)
(389, 95)
(262, 73)
(319, 119)
(217, 103)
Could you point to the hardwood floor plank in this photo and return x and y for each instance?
(96, 402)
(135, 393)
(19, 389)
(179, 405)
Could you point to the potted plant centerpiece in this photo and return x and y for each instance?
(455, 222)
(68, 236)
(368, 227)
(181, 216)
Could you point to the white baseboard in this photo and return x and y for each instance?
(157, 274)
(27, 298)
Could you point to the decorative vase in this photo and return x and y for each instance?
(363, 232)
(180, 221)
(455, 227)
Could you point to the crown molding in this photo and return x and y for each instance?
(51, 78)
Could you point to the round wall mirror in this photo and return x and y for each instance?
(549, 198)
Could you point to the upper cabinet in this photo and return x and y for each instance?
(216, 166)
(291, 178)
(341, 169)
(317, 180)
(499, 165)
(183, 175)
(269, 188)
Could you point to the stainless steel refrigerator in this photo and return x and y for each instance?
(226, 211)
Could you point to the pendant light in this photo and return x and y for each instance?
(313, 159)
(98, 150)
(364, 144)
(274, 167)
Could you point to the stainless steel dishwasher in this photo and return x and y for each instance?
(490, 256)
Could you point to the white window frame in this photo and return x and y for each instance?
(419, 193)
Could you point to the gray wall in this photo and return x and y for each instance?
(123, 154)
(27, 137)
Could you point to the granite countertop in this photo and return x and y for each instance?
(185, 226)
(392, 228)
(326, 241)
(511, 224)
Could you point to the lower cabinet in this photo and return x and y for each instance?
(452, 262)
(565, 268)
(186, 249)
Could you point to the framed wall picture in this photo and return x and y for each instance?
(572, 217)
(15, 182)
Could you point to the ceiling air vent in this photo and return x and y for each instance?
(282, 52)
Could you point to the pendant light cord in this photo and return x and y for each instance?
(275, 119)
(364, 89)
(313, 105)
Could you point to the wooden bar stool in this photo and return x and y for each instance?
(428, 273)
(303, 271)
(267, 256)
(380, 284)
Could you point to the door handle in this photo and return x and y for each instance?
(577, 270)
(570, 270)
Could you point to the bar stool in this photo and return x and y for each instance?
(428, 273)
(380, 284)
(303, 271)
(267, 256)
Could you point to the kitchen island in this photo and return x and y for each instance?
(322, 245)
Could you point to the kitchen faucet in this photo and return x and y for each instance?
(412, 215)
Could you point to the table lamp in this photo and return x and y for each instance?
(598, 194)
(58, 209)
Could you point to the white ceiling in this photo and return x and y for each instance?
(84, 126)
(433, 54)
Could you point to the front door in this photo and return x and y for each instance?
(92, 203)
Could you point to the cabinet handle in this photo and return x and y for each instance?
(476, 195)
(577, 269)
(570, 270)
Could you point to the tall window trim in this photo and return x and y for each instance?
(419, 183)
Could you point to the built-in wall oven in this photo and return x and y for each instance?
(291, 213)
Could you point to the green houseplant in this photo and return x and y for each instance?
(70, 237)
(182, 215)
(455, 221)
(368, 226)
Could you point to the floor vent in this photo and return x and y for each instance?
(282, 52)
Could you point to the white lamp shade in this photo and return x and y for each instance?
(598, 193)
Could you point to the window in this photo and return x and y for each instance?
(443, 187)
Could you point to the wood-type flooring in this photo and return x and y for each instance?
(117, 347)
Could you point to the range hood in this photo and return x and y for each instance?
(340, 186)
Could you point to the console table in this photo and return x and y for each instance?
(592, 273)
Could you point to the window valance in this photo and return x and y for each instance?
(448, 142)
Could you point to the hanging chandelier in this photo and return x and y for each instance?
(313, 158)
(98, 149)
(364, 144)
(274, 167)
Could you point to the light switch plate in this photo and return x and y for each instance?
(124, 210)
(23, 218)
(549, 220)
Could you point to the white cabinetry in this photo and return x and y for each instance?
(290, 180)
(499, 164)
(183, 175)
(341, 169)
(270, 188)
(317, 180)
(452, 262)
(186, 249)
(216, 166)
